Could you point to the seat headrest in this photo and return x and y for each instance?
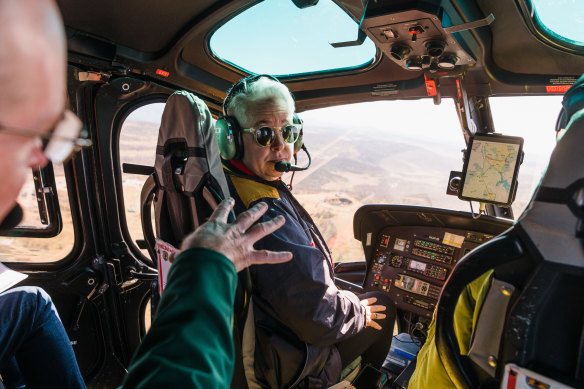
(186, 120)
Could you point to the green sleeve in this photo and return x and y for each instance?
(190, 342)
(430, 373)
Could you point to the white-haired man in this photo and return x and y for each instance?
(305, 330)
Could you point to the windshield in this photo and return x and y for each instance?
(275, 37)
(562, 19)
(401, 152)
(386, 152)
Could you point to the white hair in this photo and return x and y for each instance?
(264, 89)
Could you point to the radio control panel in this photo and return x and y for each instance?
(412, 264)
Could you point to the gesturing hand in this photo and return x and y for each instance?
(236, 240)
(371, 312)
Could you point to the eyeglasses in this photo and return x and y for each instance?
(60, 141)
(264, 136)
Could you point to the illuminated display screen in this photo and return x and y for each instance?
(416, 265)
(400, 244)
(408, 283)
(412, 284)
(490, 169)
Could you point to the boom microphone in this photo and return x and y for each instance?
(285, 167)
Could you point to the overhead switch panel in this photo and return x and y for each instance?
(416, 41)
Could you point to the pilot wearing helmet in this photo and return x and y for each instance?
(300, 329)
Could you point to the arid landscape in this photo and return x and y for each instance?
(40, 249)
(351, 166)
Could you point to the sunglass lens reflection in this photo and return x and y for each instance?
(264, 136)
(289, 134)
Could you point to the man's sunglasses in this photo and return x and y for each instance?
(60, 141)
(265, 135)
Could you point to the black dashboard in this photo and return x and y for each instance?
(411, 251)
(412, 264)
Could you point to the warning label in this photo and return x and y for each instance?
(384, 90)
(557, 88)
(563, 80)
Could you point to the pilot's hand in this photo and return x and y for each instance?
(236, 240)
(371, 312)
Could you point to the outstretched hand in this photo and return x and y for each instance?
(236, 240)
(371, 312)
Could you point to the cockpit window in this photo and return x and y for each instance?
(533, 118)
(275, 37)
(401, 152)
(560, 19)
(384, 152)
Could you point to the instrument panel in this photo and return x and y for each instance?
(411, 264)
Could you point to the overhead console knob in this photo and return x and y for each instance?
(435, 48)
(399, 52)
(447, 61)
(414, 63)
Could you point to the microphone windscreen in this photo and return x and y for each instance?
(282, 166)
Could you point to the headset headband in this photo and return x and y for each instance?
(241, 86)
(227, 129)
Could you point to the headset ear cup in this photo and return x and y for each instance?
(228, 138)
(299, 141)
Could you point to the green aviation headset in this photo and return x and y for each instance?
(228, 130)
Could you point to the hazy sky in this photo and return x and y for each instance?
(530, 117)
(276, 37)
(564, 17)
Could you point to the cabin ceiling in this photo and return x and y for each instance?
(139, 37)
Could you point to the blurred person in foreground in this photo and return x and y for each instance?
(34, 126)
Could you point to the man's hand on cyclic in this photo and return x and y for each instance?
(236, 240)
(371, 312)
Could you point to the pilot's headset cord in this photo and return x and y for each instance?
(293, 172)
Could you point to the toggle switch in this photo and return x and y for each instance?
(415, 31)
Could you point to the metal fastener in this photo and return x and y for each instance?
(492, 361)
(505, 290)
